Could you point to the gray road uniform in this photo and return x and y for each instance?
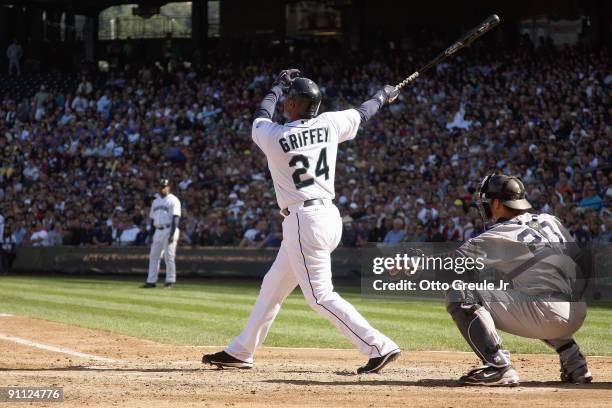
(527, 251)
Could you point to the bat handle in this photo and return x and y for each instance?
(406, 81)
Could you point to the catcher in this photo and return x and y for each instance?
(525, 249)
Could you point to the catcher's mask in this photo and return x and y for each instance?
(306, 91)
(508, 189)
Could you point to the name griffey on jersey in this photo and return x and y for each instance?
(306, 137)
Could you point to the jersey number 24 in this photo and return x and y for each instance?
(321, 169)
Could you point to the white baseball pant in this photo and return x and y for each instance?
(310, 234)
(158, 246)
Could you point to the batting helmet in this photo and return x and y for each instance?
(164, 182)
(508, 189)
(304, 89)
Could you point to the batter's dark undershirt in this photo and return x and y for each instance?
(369, 108)
(268, 104)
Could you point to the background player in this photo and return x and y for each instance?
(525, 249)
(301, 157)
(165, 214)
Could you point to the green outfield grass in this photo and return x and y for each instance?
(208, 312)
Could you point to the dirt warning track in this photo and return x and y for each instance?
(100, 369)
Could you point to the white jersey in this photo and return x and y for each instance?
(163, 209)
(530, 250)
(302, 154)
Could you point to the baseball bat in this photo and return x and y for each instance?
(464, 41)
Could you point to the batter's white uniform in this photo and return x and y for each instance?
(162, 211)
(302, 159)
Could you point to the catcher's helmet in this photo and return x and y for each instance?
(509, 189)
(307, 90)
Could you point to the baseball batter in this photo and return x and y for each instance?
(165, 215)
(532, 252)
(301, 157)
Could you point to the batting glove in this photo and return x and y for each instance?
(286, 77)
(387, 95)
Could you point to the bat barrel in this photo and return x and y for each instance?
(492, 19)
(489, 23)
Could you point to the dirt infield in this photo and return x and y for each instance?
(149, 374)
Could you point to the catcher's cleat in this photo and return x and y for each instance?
(581, 375)
(222, 359)
(376, 364)
(491, 376)
(148, 286)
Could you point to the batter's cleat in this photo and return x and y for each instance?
(168, 285)
(222, 360)
(491, 376)
(581, 375)
(376, 364)
(148, 286)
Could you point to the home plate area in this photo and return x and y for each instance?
(97, 368)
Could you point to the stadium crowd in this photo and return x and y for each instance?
(79, 167)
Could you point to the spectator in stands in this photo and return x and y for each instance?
(222, 235)
(14, 52)
(55, 236)
(253, 237)
(419, 234)
(375, 233)
(8, 248)
(103, 235)
(73, 237)
(142, 236)
(235, 204)
(87, 234)
(397, 234)
(274, 237)
(79, 104)
(85, 87)
(350, 234)
(606, 235)
(450, 231)
(41, 98)
(590, 197)
(129, 235)
(21, 233)
(39, 236)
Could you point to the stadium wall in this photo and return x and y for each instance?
(203, 262)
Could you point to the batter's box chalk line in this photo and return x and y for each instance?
(57, 349)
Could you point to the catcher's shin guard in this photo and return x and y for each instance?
(574, 368)
(477, 327)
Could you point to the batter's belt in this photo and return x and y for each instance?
(315, 201)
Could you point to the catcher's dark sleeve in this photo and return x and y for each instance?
(369, 108)
(174, 225)
(268, 104)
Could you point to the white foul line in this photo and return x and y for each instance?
(56, 349)
(6, 315)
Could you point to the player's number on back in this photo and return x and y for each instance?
(545, 230)
(321, 169)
